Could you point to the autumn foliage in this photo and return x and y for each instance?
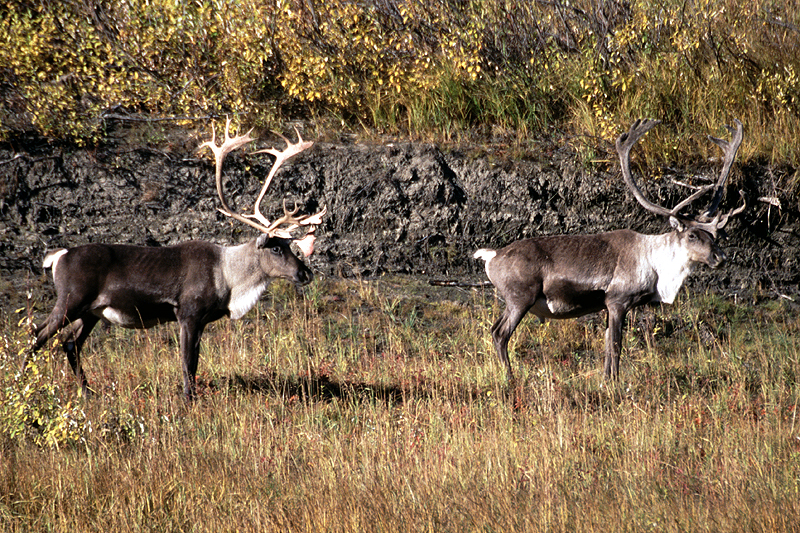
(420, 67)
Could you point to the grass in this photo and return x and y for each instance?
(380, 406)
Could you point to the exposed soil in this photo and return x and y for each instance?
(398, 208)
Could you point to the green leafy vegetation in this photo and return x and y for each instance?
(31, 406)
(375, 406)
(442, 70)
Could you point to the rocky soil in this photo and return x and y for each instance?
(403, 208)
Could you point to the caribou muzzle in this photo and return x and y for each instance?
(718, 257)
(304, 276)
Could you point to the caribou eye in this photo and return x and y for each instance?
(692, 236)
(277, 250)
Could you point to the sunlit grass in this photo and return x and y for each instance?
(380, 406)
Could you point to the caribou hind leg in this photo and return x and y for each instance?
(52, 325)
(73, 330)
(502, 330)
(74, 345)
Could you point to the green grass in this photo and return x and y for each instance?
(380, 406)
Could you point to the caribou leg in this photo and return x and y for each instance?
(191, 332)
(502, 330)
(74, 346)
(616, 319)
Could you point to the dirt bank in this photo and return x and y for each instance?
(401, 208)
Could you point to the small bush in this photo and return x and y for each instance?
(31, 404)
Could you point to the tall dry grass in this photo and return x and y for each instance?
(379, 406)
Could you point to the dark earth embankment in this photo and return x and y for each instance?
(404, 208)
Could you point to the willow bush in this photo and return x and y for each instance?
(32, 407)
(442, 69)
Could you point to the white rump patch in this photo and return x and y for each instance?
(51, 259)
(487, 255)
(484, 253)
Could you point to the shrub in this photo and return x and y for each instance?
(409, 67)
(31, 405)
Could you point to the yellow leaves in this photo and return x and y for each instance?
(170, 58)
(164, 55)
(779, 88)
(30, 402)
(198, 57)
(367, 56)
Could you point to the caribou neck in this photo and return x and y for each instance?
(242, 278)
(671, 263)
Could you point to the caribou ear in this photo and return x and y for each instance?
(676, 224)
(262, 240)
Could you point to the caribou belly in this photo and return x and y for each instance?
(133, 319)
(576, 305)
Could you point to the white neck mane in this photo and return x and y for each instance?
(245, 282)
(671, 264)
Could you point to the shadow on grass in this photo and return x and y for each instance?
(323, 388)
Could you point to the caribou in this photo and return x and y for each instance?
(193, 283)
(567, 276)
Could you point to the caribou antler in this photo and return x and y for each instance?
(228, 145)
(729, 148)
(626, 141)
(257, 219)
(289, 218)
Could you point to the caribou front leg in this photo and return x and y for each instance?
(191, 332)
(616, 319)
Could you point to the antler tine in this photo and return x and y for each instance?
(729, 148)
(295, 222)
(719, 221)
(306, 244)
(625, 142)
(228, 145)
(697, 194)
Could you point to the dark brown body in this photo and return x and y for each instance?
(193, 283)
(567, 276)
